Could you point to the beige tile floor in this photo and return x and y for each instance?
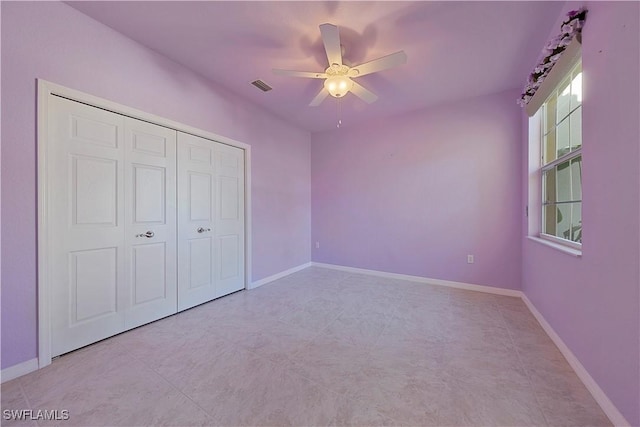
(321, 347)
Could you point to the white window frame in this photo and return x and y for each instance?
(562, 159)
(571, 56)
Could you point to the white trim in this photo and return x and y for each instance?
(592, 386)
(42, 135)
(15, 371)
(598, 394)
(557, 246)
(564, 158)
(280, 275)
(247, 218)
(45, 90)
(564, 242)
(96, 101)
(420, 279)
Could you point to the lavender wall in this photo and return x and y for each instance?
(416, 194)
(55, 42)
(593, 302)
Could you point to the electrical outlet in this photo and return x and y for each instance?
(317, 245)
(469, 259)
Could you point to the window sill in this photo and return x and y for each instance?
(567, 250)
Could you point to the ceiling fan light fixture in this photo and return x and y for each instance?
(338, 76)
(338, 86)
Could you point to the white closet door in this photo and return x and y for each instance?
(150, 221)
(229, 219)
(196, 212)
(86, 224)
(122, 251)
(112, 223)
(210, 220)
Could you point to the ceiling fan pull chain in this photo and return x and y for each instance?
(339, 112)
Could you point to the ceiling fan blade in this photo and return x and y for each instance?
(379, 64)
(365, 94)
(292, 73)
(319, 98)
(331, 40)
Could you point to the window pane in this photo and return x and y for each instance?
(550, 147)
(562, 138)
(549, 220)
(549, 186)
(563, 182)
(563, 220)
(576, 178)
(564, 100)
(576, 129)
(550, 108)
(576, 87)
(576, 223)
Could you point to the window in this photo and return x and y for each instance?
(561, 169)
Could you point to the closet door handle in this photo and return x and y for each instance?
(148, 234)
(202, 230)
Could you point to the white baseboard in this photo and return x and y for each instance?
(420, 279)
(19, 370)
(280, 275)
(598, 394)
(28, 366)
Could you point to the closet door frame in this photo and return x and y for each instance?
(47, 90)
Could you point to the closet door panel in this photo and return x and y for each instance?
(85, 156)
(200, 256)
(150, 229)
(229, 219)
(196, 212)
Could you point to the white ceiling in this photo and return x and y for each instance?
(456, 50)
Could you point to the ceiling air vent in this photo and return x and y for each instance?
(261, 85)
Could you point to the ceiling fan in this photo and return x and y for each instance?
(338, 76)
